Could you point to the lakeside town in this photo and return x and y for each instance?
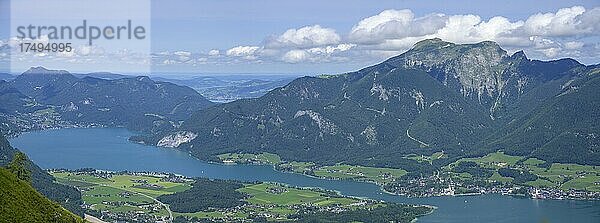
(433, 186)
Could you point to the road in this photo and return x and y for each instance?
(416, 140)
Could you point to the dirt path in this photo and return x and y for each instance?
(93, 219)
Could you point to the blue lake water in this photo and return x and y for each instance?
(109, 149)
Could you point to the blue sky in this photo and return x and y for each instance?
(314, 37)
(225, 23)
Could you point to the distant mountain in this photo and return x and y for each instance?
(103, 75)
(44, 183)
(135, 102)
(11, 99)
(6, 76)
(438, 96)
(228, 88)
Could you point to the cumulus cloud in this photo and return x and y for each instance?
(397, 30)
(305, 37)
(544, 35)
(248, 52)
(316, 54)
(565, 22)
(392, 24)
(295, 56)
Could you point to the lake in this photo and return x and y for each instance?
(109, 149)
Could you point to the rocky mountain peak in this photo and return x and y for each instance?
(431, 44)
(519, 55)
(473, 69)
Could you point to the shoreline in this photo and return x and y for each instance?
(274, 166)
(382, 189)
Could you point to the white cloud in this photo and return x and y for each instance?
(295, 56)
(573, 45)
(214, 52)
(182, 53)
(183, 56)
(393, 24)
(551, 34)
(87, 50)
(331, 49)
(242, 51)
(169, 62)
(316, 54)
(305, 37)
(565, 22)
(547, 35)
(245, 52)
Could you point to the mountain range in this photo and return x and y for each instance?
(463, 99)
(137, 103)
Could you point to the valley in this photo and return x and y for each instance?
(223, 88)
(127, 196)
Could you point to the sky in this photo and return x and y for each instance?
(318, 37)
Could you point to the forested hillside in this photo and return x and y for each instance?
(21, 203)
(463, 99)
(67, 196)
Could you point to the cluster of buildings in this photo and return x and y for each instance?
(434, 185)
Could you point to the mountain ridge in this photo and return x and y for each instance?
(438, 96)
(138, 103)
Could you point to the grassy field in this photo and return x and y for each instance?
(124, 182)
(338, 171)
(495, 160)
(268, 193)
(569, 176)
(557, 175)
(122, 193)
(372, 174)
(277, 202)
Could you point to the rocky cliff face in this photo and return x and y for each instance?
(174, 140)
(482, 72)
(476, 71)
